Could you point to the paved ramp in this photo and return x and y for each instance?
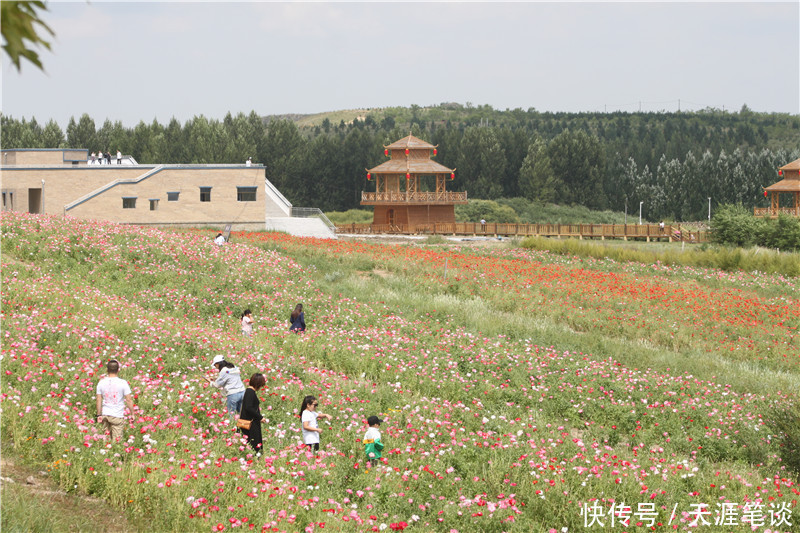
(300, 227)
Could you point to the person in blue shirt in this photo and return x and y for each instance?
(297, 319)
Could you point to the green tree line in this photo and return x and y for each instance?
(672, 162)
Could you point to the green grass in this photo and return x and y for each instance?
(706, 256)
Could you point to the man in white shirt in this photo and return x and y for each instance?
(113, 395)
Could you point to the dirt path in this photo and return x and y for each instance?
(32, 502)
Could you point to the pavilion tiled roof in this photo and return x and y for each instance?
(410, 155)
(413, 166)
(794, 165)
(791, 180)
(410, 142)
(785, 185)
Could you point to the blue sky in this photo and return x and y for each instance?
(144, 61)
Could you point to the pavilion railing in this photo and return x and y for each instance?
(602, 231)
(417, 197)
(770, 212)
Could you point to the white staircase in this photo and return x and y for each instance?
(110, 185)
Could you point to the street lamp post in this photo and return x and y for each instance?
(640, 212)
(709, 210)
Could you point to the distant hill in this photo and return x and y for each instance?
(773, 130)
(317, 119)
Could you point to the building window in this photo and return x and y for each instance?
(205, 194)
(129, 203)
(8, 200)
(173, 196)
(153, 204)
(246, 194)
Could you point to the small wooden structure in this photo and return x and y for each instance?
(400, 196)
(790, 184)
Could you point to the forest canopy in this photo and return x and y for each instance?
(673, 162)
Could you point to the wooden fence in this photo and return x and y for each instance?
(647, 232)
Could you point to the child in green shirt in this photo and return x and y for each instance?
(372, 441)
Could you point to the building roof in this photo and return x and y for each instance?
(794, 165)
(785, 185)
(410, 142)
(791, 180)
(412, 166)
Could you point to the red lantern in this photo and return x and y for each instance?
(407, 151)
(780, 172)
(434, 152)
(369, 176)
(386, 152)
(765, 193)
(408, 176)
(452, 175)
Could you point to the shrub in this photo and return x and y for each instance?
(542, 213)
(488, 210)
(734, 225)
(782, 233)
(351, 216)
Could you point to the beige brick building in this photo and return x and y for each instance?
(61, 182)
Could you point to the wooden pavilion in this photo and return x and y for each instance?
(790, 184)
(400, 196)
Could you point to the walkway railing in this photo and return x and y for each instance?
(590, 231)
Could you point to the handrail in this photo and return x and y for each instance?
(110, 185)
(275, 194)
(312, 212)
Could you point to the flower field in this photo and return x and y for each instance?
(520, 391)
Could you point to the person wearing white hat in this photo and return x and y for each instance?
(229, 379)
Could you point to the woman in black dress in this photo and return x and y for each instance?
(252, 411)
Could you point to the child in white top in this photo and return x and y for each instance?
(309, 416)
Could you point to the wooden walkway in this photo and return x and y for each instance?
(646, 232)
